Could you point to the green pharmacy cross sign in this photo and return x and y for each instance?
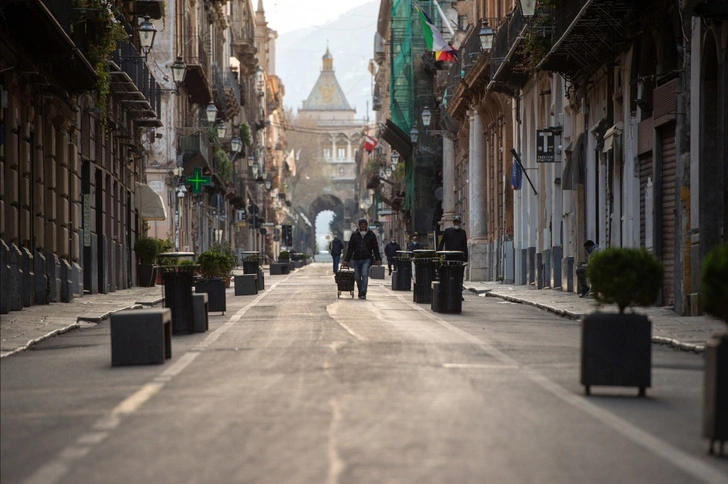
(198, 180)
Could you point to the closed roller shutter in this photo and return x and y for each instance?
(669, 169)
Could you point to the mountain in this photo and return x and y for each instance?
(350, 39)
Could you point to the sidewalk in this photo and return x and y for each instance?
(681, 332)
(21, 329)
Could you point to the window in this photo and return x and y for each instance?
(342, 153)
(327, 153)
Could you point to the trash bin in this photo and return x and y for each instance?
(251, 262)
(426, 262)
(402, 271)
(450, 276)
(178, 282)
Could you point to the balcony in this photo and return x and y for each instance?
(153, 8)
(194, 150)
(508, 72)
(134, 86)
(197, 81)
(43, 29)
(588, 34)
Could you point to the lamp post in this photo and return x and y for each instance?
(181, 190)
(147, 32)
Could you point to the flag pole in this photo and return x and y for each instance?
(444, 19)
(518, 159)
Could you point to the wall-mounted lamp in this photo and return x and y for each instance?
(268, 184)
(236, 144)
(255, 169)
(486, 36)
(147, 32)
(251, 160)
(221, 128)
(414, 134)
(426, 117)
(179, 71)
(211, 112)
(395, 158)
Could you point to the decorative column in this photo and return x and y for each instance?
(477, 220)
(448, 182)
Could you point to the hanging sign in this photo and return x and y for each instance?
(198, 180)
(545, 146)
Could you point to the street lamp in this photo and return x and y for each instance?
(414, 135)
(268, 185)
(388, 171)
(236, 144)
(426, 117)
(211, 112)
(179, 71)
(221, 129)
(251, 160)
(486, 36)
(255, 168)
(395, 158)
(147, 32)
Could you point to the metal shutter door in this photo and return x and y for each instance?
(669, 168)
(645, 173)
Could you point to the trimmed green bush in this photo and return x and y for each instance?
(213, 264)
(625, 277)
(284, 255)
(146, 249)
(714, 283)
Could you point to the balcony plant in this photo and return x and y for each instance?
(616, 348)
(713, 291)
(146, 249)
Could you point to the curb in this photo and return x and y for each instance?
(672, 343)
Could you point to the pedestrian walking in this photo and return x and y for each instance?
(336, 246)
(591, 249)
(363, 247)
(414, 244)
(455, 238)
(391, 252)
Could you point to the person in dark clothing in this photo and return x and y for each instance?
(363, 247)
(414, 244)
(455, 238)
(591, 249)
(391, 252)
(336, 246)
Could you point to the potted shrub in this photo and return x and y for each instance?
(616, 348)
(714, 301)
(146, 249)
(283, 266)
(214, 269)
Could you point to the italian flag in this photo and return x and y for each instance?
(435, 42)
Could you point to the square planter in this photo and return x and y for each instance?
(215, 289)
(616, 350)
(146, 275)
(715, 392)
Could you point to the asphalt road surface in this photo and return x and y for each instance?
(297, 386)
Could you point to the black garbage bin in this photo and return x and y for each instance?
(178, 282)
(426, 263)
(251, 262)
(450, 275)
(403, 271)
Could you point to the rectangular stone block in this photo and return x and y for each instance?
(245, 284)
(557, 253)
(567, 274)
(141, 336)
(376, 272)
(200, 309)
(62, 181)
(50, 205)
(24, 197)
(11, 222)
(11, 186)
(63, 243)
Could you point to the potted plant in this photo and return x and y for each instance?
(214, 269)
(283, 266)
(146, 249)
(616, 348)
(713, 291)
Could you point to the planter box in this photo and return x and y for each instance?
(616, 350)
(715, 394)
(146, 275)
(215, 289)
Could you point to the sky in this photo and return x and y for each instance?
(288, 15)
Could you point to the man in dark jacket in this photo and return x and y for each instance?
(454, 238)
(391, 252)
(336, 246)
(363, 246)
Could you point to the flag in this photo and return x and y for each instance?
(434, 40)
(369, 144)
(291, 162)
(516, 175)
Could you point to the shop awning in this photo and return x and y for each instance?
(149, 203)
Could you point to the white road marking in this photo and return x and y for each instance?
(132, 403)
(336, 465)
(479, 366)
(700, 470)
